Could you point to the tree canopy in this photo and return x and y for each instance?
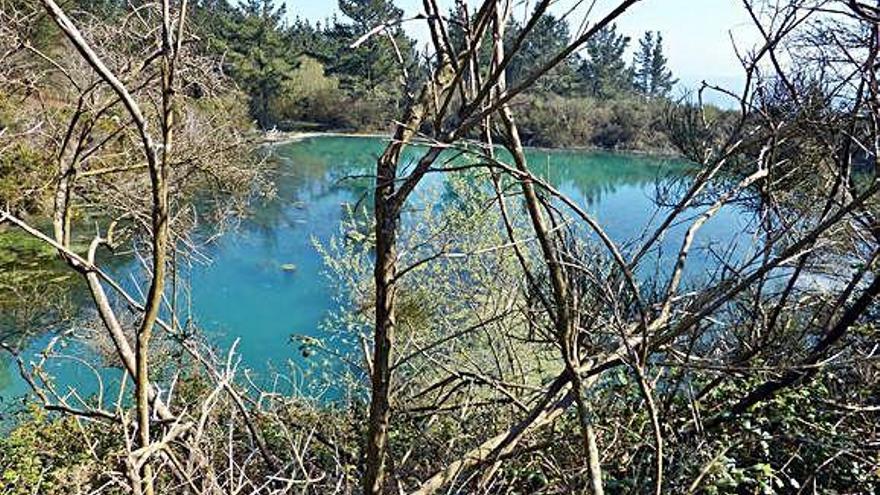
(603, 71)
(651, 75)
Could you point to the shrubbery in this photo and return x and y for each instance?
(23, 169)
(631, 123)
(44, 454)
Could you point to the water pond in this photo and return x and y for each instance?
(265, 280)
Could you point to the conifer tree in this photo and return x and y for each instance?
(642, 64)
(651, 76)
(548, 37)
(374, 64)
(258, 52)
(661, 77)
(604, 72)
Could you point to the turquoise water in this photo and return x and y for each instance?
(245, 294)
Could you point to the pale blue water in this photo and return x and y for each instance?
(244, 293)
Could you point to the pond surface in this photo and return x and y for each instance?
(265, 281)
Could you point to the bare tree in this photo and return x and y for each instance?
(450, 70)
(110, 133)
(756, 153)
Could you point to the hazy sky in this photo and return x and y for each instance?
(696, 33)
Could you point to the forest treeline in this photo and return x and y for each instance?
(273, 70)
(301, 74)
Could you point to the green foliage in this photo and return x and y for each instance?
(16, 246)
(457, 17)
(309, 94)
(30, 270)
(790, 442)
(453, 218)
(623, 123)
(312, 99)
(642, 63)
(368, 14)
(604, 72)
(651, 76)
(46, 455)
(23, 170)
(340, 86)
(373, 70)
(258, 54)
(253, 41)
(313, 76)
(661, 77)
(548, 37)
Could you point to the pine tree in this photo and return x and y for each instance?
(548, 37)
(256, 46)
(368, 14)
(312, 40)
(373, 64)
(214, 21)
(456, 26)
(661, 77)
(642, 64)
(604, 72)
(651, 76)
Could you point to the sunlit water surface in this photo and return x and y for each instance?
(245, 294)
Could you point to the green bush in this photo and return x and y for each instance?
(313, 100)
(46, 455)
(630, 123)
(23, 172)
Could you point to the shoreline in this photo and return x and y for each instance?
(295, 137)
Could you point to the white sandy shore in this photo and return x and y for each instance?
(292, 137)
(278, 137)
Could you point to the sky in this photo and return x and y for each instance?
(696, 33)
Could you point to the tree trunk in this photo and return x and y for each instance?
(384, 274)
